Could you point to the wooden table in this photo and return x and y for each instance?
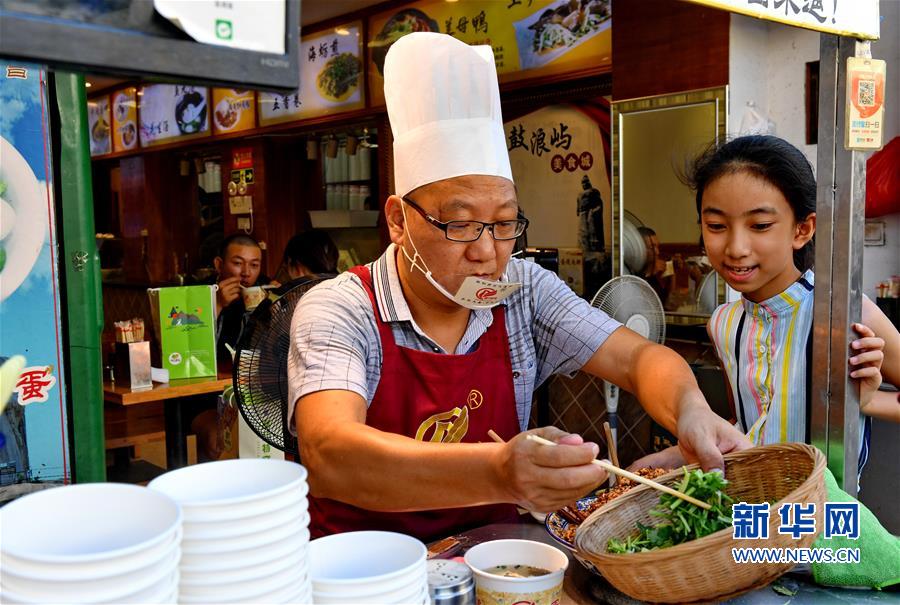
(581, 587)
(172, 395)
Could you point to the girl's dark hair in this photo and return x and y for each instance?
(769, 158)
(314, 249)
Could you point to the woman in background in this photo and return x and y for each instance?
(308, 255)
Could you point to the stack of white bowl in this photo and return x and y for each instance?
(90, 543)
(246, 535)
(368, 567)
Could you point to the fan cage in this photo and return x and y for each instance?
(626, 296)
(260, 369)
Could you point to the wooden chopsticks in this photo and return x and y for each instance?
(495, 436)
(613, 450)
(611, 445)
(623, 473)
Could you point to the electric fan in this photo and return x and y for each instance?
(633, 302)
(260, 368)
(634, 250)
(707, 301)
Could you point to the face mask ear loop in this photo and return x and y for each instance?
(414, 260)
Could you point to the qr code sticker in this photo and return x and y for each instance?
(866, 93)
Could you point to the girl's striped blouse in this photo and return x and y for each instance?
(766, 351)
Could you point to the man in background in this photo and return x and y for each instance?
(238, 265)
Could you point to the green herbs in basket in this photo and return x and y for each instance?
(681, 521)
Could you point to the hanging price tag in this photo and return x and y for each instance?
(865, 103)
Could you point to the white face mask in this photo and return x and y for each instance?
(474, 293)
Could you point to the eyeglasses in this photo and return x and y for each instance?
(470, 231)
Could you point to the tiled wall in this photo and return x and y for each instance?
(577, 406)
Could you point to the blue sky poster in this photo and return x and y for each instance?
(33, 427)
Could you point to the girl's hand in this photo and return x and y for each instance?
(866, 362)
(668, 458)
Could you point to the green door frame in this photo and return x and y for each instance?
(82, 296)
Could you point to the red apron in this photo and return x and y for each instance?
(439, 398)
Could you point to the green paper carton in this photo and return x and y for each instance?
(187, 330)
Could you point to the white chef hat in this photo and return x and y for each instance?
(443, 102)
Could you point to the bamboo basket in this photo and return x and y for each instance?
(704, 570)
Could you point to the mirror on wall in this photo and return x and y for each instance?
(656, 232)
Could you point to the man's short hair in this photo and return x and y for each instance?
(238, 239)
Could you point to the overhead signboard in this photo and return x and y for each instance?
(99, 125)
(169, 112)
(124, 119)
(530, 38)
(856, 18)
(233, 43)
(331, 78)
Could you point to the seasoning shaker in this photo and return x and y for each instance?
(450, 583)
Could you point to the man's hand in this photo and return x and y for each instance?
(228, 292)
(704, 436)
(544, 478)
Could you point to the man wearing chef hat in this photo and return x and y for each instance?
(399, 369)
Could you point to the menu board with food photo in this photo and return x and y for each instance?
(124, 119)
(331, 78)
(530, 38)
(234, 110)
(173, 111)
(99, 125)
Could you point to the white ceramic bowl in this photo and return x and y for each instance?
(93, 569)
(416, 578)
(238, 559)
(212, 576)
(366, 559)
(165, 591)
(66, 589)
(294, 510)
(286, 579)
(125, 591)
(493, 589)
(225, 483)
(262, 538)
(87, 523)
(412, 593)
(303, 597)
(282, 595)
(231, 512)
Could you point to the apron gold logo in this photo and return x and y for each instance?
(446, 427)
(450, 426)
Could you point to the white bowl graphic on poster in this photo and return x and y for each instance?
(547, 34)
(23, 222)
(190, 113)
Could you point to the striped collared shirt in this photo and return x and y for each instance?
(335, 342)
(763, 348)
(766, 350)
